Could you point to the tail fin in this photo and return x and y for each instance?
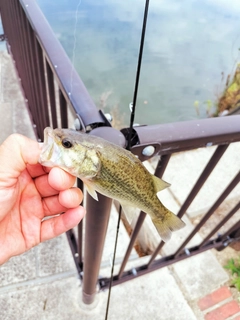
(166, 226)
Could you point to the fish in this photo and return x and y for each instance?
(110, 170)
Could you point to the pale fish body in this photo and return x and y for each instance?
(110, 170)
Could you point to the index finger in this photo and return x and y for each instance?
(60, 179)
(36, 170)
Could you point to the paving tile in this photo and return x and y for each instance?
(43, 302)
(54, 256)
(213, 298)
(10, 85)
(6, 120)
(223, 312)
(18, 269)
(153, 297)
(194, 273)
(21, 120)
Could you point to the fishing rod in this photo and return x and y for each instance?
(133, 109)
(139, 65)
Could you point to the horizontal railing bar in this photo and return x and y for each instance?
(73, 89)
(228, 216)
(187, 135)
(158, 264)
(210, 212)
(217, 243)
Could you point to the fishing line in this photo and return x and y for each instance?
(74, 44)
(113, 262)
(129, 142)
(139, 65)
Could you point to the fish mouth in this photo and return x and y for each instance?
(47, 149)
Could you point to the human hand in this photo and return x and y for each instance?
(30, 192)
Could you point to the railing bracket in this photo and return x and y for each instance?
(134, 271)
(2, 37)
(228, 241)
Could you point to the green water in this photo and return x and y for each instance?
(190, 48)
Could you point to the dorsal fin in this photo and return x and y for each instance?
(160, 184)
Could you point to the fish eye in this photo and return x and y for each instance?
(66, 143)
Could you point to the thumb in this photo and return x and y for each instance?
(15, 153)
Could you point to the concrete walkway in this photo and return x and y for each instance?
(43, 283)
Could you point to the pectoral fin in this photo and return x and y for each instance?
(91, 190)
(160, 184)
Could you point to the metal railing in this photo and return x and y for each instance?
(52, 87)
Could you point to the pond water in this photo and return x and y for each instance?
(191, 46)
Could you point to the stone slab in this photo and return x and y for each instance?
(6, 122)
(18, 269)
(54, 256)
(15, 117)
(200, 275)
(10, 88)
(153, 297)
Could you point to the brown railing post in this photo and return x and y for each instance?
(97, 217)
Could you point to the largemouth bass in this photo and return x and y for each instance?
(110, 170)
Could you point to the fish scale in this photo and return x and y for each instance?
(127, 184)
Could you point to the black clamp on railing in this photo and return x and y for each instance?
(2, 37)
